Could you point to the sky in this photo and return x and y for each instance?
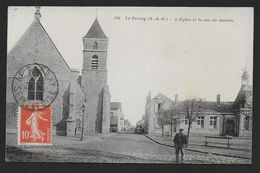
(185, 53)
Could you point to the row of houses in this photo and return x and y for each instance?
(216, 118)
(118, 122)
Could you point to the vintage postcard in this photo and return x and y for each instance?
(129, 84)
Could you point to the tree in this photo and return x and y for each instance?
(166, 117)
(161, 120)
(169, 116)
(192, 109)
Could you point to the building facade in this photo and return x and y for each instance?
(153, 106)
(217, 118)
(127, 125)
(116, 117)
(77, 95)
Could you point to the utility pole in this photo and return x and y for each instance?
(83, 118)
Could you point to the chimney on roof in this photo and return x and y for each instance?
(218, 99)
(37, 13)
(175, 98)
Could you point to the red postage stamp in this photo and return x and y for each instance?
(34, 126)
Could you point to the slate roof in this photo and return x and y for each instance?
(95, 31)
(115, 105)
(35, 32)
(40, 24)
(210, 106)
(223, 107)
(161, 96)
(244, 98)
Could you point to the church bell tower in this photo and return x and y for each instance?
(94, 76)
(245, 78)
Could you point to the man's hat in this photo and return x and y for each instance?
(181, 129)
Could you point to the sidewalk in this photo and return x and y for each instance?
(11, 139)
(241, 148)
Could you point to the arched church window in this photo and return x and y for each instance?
(31, 88)
(95, 46)
(94, 62)
(39, 88)
(35, 85)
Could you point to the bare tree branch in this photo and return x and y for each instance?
(192, 109)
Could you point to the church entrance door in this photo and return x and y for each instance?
(230, 127)
(246, 123)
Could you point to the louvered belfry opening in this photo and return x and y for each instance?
(94, 63)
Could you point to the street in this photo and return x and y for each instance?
(118, 148)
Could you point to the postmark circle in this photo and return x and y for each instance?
(35, 86)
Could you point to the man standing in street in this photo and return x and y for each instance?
(179, 141)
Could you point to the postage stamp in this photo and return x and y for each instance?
(34, 126)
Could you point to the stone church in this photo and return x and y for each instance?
(78, 95)
(218, 117)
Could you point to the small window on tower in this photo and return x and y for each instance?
(95, 46)
(94, 63)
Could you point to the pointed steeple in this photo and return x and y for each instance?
(244, 96)
(37, 13)
(245, 78)
(95, 31)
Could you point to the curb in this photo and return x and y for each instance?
(75, 141)
(205, 152)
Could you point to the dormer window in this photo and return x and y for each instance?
(94, 62)
(95, 46)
